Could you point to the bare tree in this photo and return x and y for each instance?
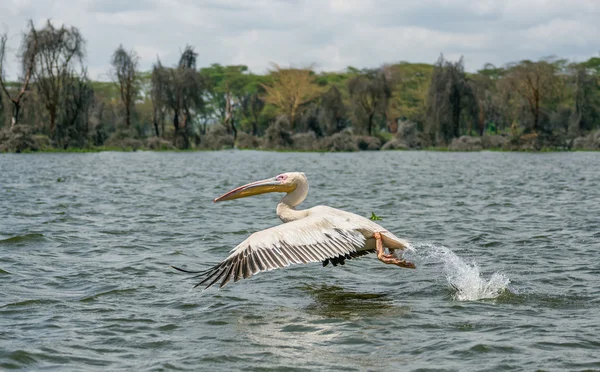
(124, 73)
(28, 64)
(59, 51)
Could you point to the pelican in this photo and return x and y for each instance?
(318, 234)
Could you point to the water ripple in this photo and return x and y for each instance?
(506, 248)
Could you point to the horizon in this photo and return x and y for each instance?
(330, 35)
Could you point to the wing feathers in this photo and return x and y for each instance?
(311, 239)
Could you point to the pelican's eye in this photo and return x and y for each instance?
(281, 177)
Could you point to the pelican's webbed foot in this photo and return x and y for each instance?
(390, 259)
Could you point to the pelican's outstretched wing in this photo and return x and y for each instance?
(316, 238)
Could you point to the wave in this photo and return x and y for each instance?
(22, 238)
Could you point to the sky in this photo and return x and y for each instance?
(329, 34)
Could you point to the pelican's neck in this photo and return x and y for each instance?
(286, 209)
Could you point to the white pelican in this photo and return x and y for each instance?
(319, 234)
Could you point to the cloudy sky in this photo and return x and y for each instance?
(332, 34)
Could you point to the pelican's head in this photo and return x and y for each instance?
(284, 182)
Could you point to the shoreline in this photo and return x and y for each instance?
(21, 139)
(428, 149)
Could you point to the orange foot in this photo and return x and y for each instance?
(389, 258)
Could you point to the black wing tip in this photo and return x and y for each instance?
(184, 270)
(341, 259)
(194, 272)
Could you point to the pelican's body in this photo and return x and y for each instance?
(318, 234)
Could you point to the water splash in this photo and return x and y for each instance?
(465, 278)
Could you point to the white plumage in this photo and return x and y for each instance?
(319, 234)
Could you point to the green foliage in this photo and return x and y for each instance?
(586, 96)
(232, 96)
(411, 82)
(374, 217)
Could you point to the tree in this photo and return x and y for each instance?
(534, 82)
(59, 50)
(409, 85)
(369, 92)
(124, 73)
(159, 79)
(587, 95)
(308, 120)
(290, 90)
(332, 111)
(252, 107)
(449, 94)
(76, 102)
(227, 91)
(27, 66)
(179, 90)
(105, 113)
(189, 89)
(488, 98)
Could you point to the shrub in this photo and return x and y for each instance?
(248, 141)
(157, 143)
(279, 135)
(19, 138)
(342, 141)
(216, 138)
(466, 143)
(367, 143)
(307, 141)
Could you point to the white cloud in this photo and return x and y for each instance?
(333, 34)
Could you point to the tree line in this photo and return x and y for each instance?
(187, 106)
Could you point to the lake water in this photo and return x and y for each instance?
(507, 253)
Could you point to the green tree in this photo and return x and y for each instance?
(410, 83)
(488, 98)
(252, 107)
(536, 83)
(587, 95)
(290, 90)
(225, 90)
